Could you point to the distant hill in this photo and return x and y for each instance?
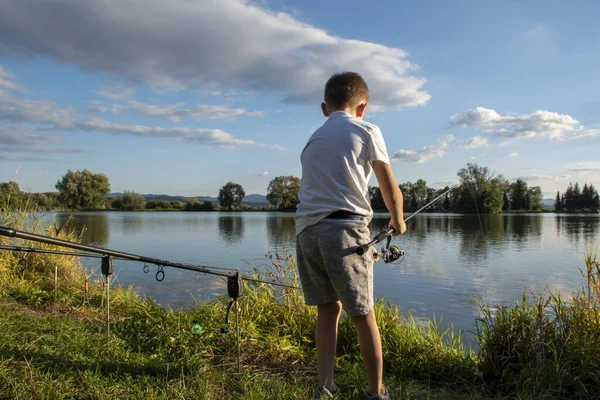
(256, 200)
(548, 203)
(251, 199)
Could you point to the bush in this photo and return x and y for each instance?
(548, 345)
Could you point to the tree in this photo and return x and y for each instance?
(83, 189)
(283, 192)
(568, 198)
(208, 206)
(577, 196)
(492, 198)
(481, 191)
(176, 205)
(158, 205)
(10, 195)
(377, 203)
(505, 200)
(231, 195)
(420, 193)
(447, 200)
(410, 198)
(535, 197)
(132, 201)
(518, 195)
(558, 202)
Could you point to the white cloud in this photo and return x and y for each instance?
(585, 134)
(476, 142)
(35, 149)
(177, 112)
(25, 114)
(205, 45)
(214, 137)
(6, 81)
(17, 110)
(513, 154)
(115, 91)
(15, 136)
(541, 123)
(542, 177)
(264, 173)
(585, 167)
(14, 140)
(277, 147)
(423, 154)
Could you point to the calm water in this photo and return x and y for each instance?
(450, 259)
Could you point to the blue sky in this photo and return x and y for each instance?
(180, 97)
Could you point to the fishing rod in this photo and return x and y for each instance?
(9, 232)
(234, 279)
(46, 251)
(393, 253)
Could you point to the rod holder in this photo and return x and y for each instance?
(108, 267)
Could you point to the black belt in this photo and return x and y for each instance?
(343, 214)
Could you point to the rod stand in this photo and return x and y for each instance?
(55, 283)
(234, 290)
(235, 287)
(107, 270)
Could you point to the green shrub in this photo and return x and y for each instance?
(548, 345)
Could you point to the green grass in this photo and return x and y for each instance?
(56, 355)
(542, 347)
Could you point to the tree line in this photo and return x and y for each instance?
(480, 191)
(575, 198)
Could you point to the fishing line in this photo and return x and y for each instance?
(476, 208)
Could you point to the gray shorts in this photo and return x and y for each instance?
(329, 268)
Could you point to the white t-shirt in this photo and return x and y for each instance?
(336, 168)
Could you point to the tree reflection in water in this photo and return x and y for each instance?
(476, 235)
(93, 227)
(281, 230)
(231, 228)
(578, 227)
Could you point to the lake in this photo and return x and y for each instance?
(449, 259)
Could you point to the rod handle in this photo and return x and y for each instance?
(362, 249)
(383, 235)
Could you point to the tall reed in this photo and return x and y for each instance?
(546, 345)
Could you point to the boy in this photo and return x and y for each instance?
(332, 219)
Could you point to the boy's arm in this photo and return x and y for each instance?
(392, 196)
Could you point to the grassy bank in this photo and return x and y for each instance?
(542, 347)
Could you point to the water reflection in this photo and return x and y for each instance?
(578, 228)
(281, 230)
(523, 228)
(231, 228)
(133, 223)
(92, 226)
(449, 258)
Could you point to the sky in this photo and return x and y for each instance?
(180, 97)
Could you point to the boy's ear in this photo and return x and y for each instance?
(324, 109)
(360, 109)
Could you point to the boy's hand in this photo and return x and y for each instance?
(398, 227)
(375, 254)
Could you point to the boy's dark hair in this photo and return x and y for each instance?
(345, 89)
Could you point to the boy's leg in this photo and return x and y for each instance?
(370, 349)
(326, 338)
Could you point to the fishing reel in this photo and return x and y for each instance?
(391, 253)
